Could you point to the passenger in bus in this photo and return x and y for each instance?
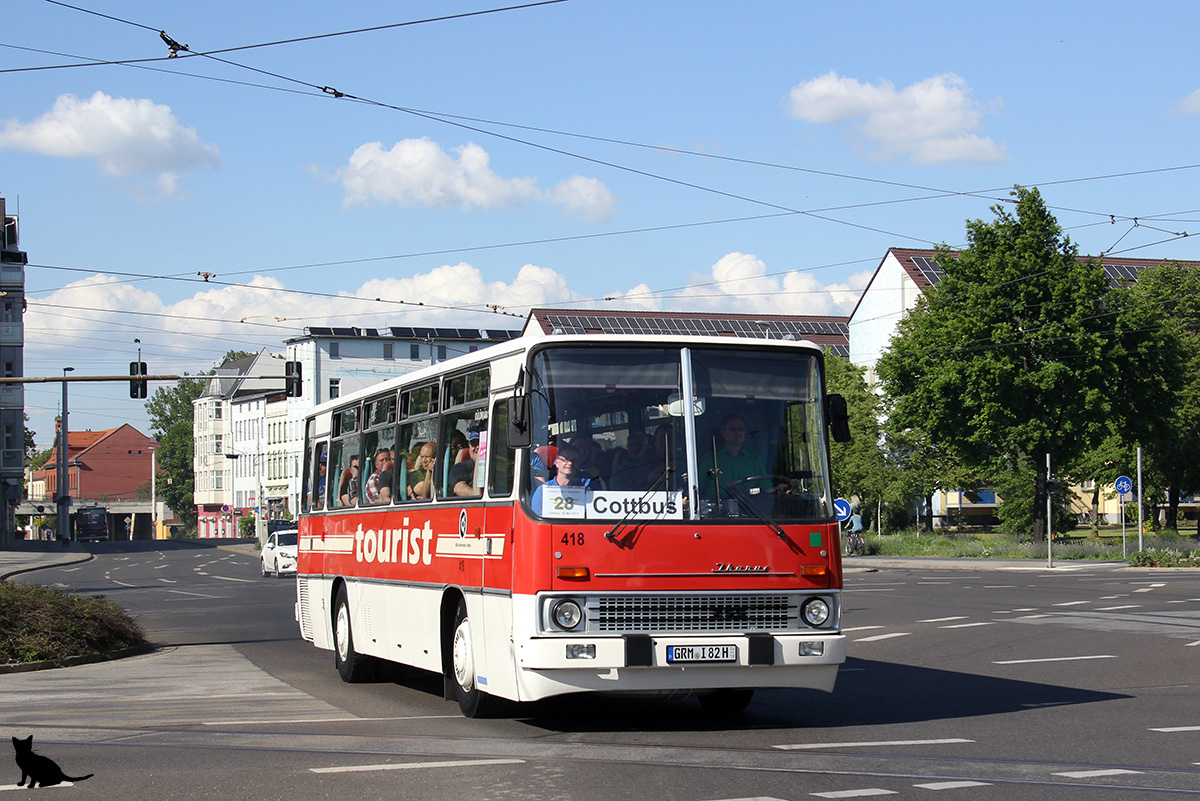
(659, 459)
(386, 479)
(730, 462)
(371, 489)
(462, 475)
(566, 475)
(319, 501)
(634, 463)
(587, 450)
(420, 477)
(348, 484)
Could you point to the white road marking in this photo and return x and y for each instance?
(942, 619)
(860, 628)
(878, 637)
(160, 567)
(1091, 774)
(249, 721)
(863, 793)
(951, 785)
(1151, 588)
(968, 625)
(1190, 644)
(755, 798)
(1033, 617)
(417, 765)
(1174, 729)
(122, 583)
(1072, 603)
(197, 594)
(998, 587)
(1054, 659)
(874, 744)
(1115, 608)
(227, 578)
(168, 581)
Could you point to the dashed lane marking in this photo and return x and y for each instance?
(863, 793)
(871, 744)
(951, 785)
(942, 619)
(1092, 774)
(878, 637)
(1054, 659)
(1174, 729)
(860, 628)
(1115, 608)
(465, 763)
(968, 625)
(1072, 603)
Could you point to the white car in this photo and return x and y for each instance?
(279, 552)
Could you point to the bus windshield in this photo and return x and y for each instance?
(639, 434)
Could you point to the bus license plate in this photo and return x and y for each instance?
(701, 653)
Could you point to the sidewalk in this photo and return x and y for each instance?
(22, 556)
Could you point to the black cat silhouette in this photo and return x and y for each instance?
(40, 770)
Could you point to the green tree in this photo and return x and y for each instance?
(170, 411)
(857, 466)
(1008, 359)
(1169, 296)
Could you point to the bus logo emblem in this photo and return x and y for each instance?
(462, 524)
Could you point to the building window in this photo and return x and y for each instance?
(217, 445)
(389, 350)
(441, 353)
(335, 388)
(335, 349)
(216, 411)
(414, 352)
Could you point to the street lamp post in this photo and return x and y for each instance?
(153, 498)
(63, 505)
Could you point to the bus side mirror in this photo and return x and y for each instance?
(520, 433)
(838, 416)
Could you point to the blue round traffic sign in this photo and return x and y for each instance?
(842, 507)
(1124, 485)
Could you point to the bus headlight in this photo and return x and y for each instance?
(566, 614)
(815, 612)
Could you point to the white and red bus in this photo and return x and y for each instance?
(564, 514)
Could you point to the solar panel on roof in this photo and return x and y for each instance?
(929, 269)
(402, 331)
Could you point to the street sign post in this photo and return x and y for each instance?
(1124, 485)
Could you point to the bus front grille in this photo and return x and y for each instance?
(686, 613)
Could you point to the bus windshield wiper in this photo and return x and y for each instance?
(612, 533)
(748, 502)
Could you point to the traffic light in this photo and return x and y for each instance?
(1051, 485)
(137, 386)
(293, 379)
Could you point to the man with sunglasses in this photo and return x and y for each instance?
(567, 475)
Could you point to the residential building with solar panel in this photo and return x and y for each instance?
(902, 277)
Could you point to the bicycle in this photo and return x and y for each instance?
(853, 543)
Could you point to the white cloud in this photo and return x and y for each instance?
(122, 136)
(739, 283)
(927, 122)
(1189, 104)
(418, 172)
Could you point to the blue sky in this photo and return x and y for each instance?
(749, 157)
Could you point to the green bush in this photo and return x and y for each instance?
(43, 624)
(1164, 557)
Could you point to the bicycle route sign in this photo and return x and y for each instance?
(1124, 485)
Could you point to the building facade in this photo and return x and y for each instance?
(111, 465)
(12, 348)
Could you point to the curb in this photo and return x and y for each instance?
(77, 559)
(74, 661)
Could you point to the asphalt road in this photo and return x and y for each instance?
(1081, 682)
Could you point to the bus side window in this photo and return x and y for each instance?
(502, 459)
(315, 497)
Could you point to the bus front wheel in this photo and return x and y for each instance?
(473, 702)
(351, 665)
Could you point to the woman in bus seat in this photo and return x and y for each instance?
(348, 484)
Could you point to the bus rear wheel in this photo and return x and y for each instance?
(352, 666)
(473, 702)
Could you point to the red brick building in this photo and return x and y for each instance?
(101, 465)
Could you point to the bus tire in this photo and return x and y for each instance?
(726, 702)
(352, 666)
(473, 702)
